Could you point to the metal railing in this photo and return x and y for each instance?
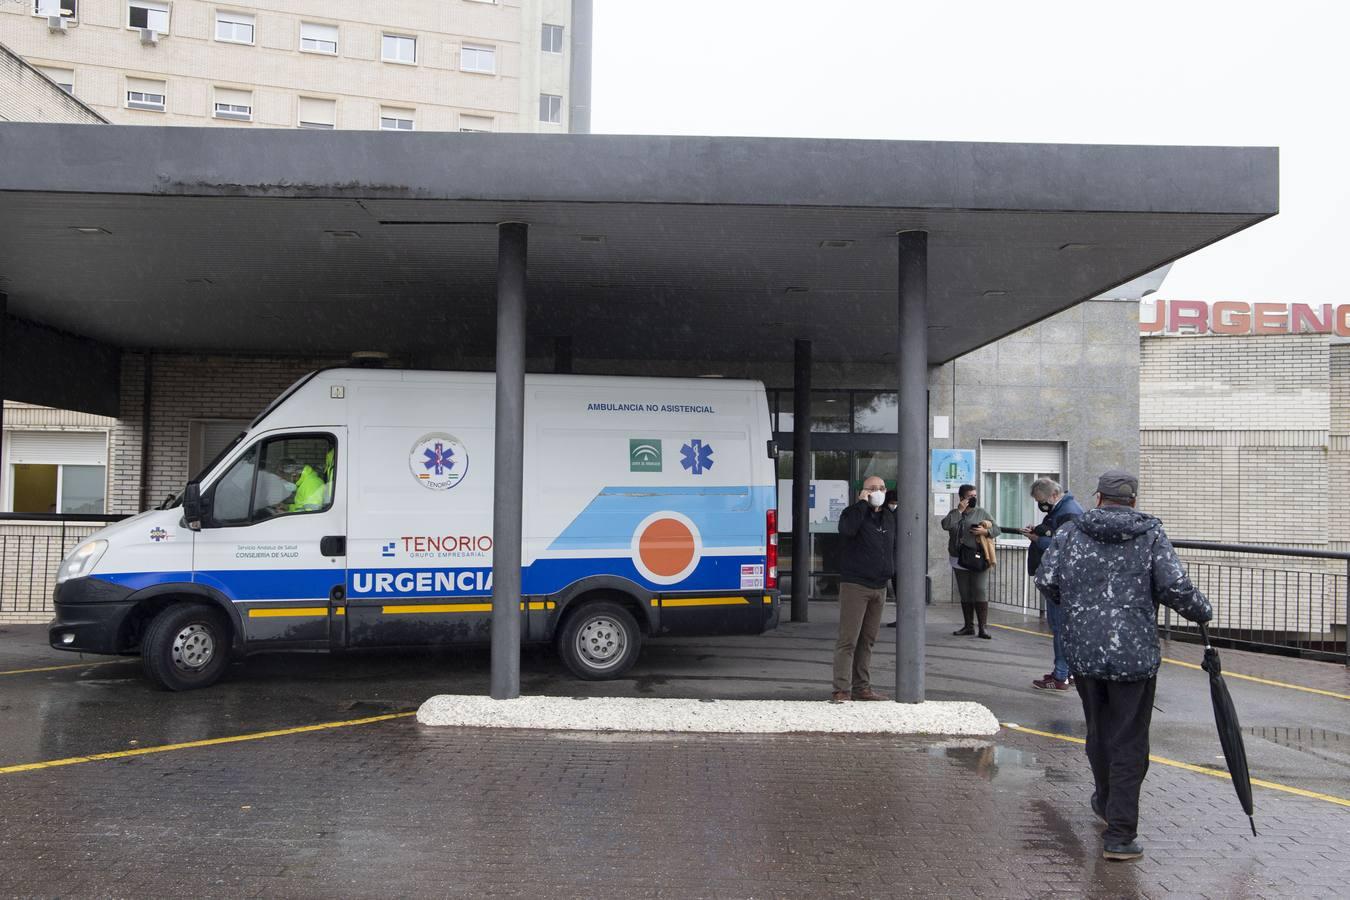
(32, 546)
(1297, 607)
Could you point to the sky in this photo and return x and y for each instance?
(1180, 72)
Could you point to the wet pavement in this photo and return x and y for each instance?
(392, 808)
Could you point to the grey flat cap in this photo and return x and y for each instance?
(1117, 484)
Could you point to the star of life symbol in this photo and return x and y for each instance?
(438, 461)
(158, 534)
(696, 456)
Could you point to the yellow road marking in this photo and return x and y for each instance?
(110, 662)
(287, 612)
(1188, 665)
(188, 745)
(1177, 764)
(704, 601)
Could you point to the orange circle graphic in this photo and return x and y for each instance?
(666, 547)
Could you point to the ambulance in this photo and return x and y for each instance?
(356, 511)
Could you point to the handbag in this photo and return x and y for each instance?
(972, 559)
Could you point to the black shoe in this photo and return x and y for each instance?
(890, 624)
(986, 635)
(1122, 852)
(1099, 809)
(964, 632)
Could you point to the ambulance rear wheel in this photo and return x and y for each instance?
(600, 640)
(187, 646)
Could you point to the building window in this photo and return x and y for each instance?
(66, 9)
(476, 124)
(317, 38)
(142, 93)
(64, 78)
(1007, 470)
(234, 28)
(396, 119)
(478, 59)
(318, 113)
(552, 39)
(145, 14)
(400, 48)
(234, 104)
(57, 472)
(550, 108)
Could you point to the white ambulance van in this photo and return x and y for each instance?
(356, 511)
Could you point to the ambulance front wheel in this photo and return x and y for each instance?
(186, 646)
(600, 640)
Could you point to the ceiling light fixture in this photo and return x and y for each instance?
(835, 244)
(1072, 246)
(344, 235)
(794, 290)
(996, 293)
(89, 229)
(199, 279)
(591, 238)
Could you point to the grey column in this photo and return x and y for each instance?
(801, 481)
(507, 501)
(911, 482)
(579, 80)
(147, 399)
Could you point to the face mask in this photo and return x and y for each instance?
(973, 500)
(876, 498)
(1045, 506)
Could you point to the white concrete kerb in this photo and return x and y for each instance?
(707, 716)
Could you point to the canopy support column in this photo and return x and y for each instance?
(911, 483)
(801, 480)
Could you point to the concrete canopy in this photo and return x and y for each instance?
(693, 249)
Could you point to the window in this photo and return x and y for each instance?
(396, 119)
(480, 124)
(478, 59)
(400, 48)
(57, 472)
(552, 39)
(64, 78)
(66, 9)
(279, 476)
(550, 108)
(146, 14)
(234, 28)
(318, 38)
(142, 93)
(234, 104)
(317, 113)
(1008, 468)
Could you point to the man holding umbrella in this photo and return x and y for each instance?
(1109, 570)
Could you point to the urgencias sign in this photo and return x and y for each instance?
(1237, 317)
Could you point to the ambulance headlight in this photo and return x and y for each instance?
(82, 561)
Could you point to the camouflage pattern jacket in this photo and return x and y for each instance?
(1109, 570)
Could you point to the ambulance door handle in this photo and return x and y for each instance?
(333, 545)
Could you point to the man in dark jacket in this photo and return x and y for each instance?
(1109, 570)
(866, 564)
(1059, 508)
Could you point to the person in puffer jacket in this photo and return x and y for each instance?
(1109, 570)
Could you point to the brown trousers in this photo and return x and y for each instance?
(859, 622)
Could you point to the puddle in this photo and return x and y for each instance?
(990, 761)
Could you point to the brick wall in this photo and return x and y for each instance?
(185, 387)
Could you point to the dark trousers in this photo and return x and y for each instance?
(1118, 715)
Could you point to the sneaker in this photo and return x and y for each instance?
(1122, 852)
(1098, 809)
(1050, 683)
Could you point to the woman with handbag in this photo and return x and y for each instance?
(970, 561)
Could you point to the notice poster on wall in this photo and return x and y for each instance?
(827, 500)
(951, 469)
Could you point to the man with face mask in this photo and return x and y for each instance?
(1059, 507)
(866, 564)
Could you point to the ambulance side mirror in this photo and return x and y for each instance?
(192, 506)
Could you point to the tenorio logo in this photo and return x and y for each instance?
(439, 461)
(446, 545)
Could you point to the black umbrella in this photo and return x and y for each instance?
(1230, 732)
